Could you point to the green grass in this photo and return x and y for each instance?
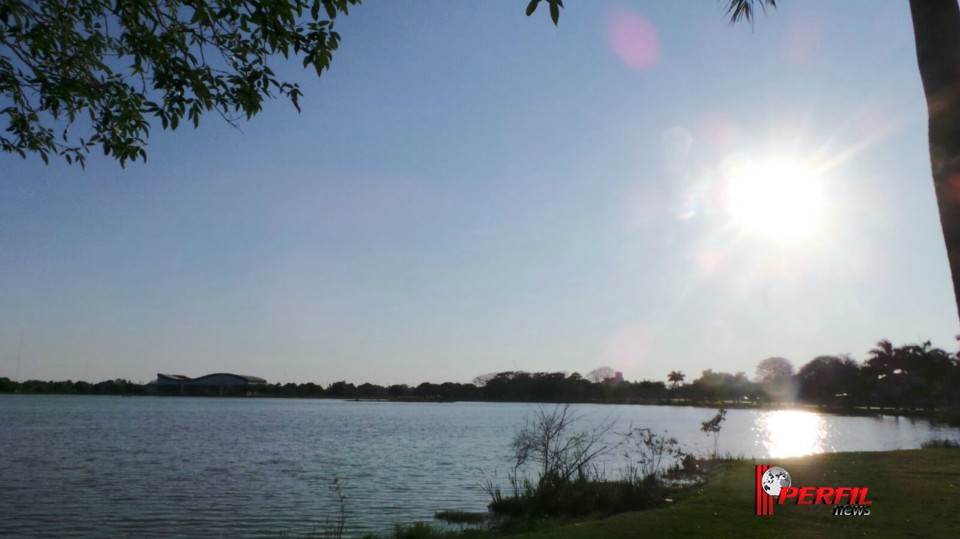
(915, 494)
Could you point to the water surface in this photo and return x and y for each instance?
(205, 467)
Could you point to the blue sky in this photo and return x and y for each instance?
(469, 190)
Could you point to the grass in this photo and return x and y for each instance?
(914, 494)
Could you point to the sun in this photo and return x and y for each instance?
(778, 199)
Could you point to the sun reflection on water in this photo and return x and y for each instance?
(791, 433)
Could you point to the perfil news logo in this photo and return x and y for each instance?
(773, 481)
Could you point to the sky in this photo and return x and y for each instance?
(469, 190)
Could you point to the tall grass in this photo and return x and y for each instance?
(940, 443)
(332, 528)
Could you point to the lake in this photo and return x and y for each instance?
(206, 467)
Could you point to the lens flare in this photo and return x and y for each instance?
(634, 40)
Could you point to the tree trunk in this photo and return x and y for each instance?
(936, 31)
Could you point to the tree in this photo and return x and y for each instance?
(341, 389)
(775, 374)
(909, 376)
(882, 360)
(826, 378)
(929, 372)
(712, 426)
(774, 369)
(111, 66)
(936, 33)
(561, 455)
(721, 387)
(481, 381)
(676, 378)
(886, 376)
(600, 374)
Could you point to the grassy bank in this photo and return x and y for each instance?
(915, 494)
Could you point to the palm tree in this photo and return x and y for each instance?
(885, 374)
(936, 34)
(882, 359)
(676, 378)
(744, 9)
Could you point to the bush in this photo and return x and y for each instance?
(940, 444)
(547, 440)
(645, 451)
(568, 483)
(580, 498)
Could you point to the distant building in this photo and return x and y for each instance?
(221, 383)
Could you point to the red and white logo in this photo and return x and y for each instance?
(773, 481)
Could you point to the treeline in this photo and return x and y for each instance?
(914, 376)
(909, 377)
(69, 387)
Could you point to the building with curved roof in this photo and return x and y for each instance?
(219, 383)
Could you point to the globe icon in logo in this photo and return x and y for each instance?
(774, 479)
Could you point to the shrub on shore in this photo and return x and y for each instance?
(569, 484)
(940, 443)
(580, 497)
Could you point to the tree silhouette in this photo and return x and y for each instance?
(774, 369)
(719, 387)
(913, 375)
(676, 378)
(713, 426)
(881, 360)
(936, 33)
(775, 374)
(744, 9)
(828, 380)
(600, 374)
(886, 374)
(110, 66)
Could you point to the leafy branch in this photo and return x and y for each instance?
(80, 74)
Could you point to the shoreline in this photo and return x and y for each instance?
(875, 411)
(906, 501)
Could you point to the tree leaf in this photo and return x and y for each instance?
(532, 6)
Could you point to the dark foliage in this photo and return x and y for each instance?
(913, 378)
(110, 69)
(581, 497)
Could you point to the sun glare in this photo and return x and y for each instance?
(779, 199)
(791, 433)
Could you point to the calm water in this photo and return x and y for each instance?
(136, 467)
